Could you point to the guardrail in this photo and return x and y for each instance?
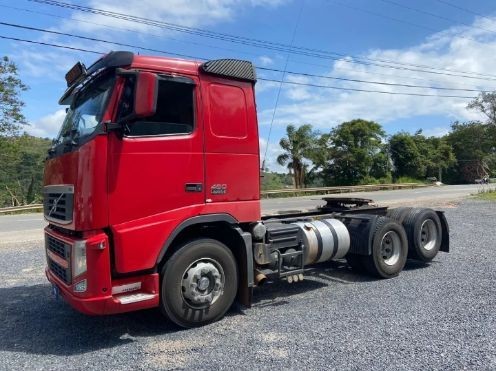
(340, 189)
(14, 209)
(275, 193)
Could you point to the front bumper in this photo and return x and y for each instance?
(102, 294)
(101, 305)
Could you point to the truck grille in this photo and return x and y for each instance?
(58, 203)
(60, 272)
(58, 247)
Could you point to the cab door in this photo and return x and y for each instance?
(231, 143)
(156, 170)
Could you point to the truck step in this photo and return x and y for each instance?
(134, 298)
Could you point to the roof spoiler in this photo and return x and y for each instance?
(232, 68)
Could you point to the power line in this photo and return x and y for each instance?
(375, 73)
(262, 79)
(316, 53)
(280, 85)
(393, 19)
(368, 91)
(464, 9)
(371, 82)
(49, 44)
(284, 72)
(161, 37)
(97, 40)
(421, 11)
(206, 45)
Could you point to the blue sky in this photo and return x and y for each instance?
(433, 33)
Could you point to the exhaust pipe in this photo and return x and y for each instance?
(260, 278)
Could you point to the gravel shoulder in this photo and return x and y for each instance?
(436, 316)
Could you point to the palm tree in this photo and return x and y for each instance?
(296, 145)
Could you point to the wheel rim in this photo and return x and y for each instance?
(428, 234)
(390, 248)
(202, 283)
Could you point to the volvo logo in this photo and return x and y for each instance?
(54, 205)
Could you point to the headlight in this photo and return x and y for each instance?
(79, 258)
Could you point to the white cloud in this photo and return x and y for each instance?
(263, 86)
(457, 48)
(298, 92)
(43, 64)
(47, 126)
(192, 13)
(265, 60)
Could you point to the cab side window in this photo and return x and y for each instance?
(175, 110)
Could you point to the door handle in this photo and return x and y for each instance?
(193, 187)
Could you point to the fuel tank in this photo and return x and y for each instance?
(325, 239)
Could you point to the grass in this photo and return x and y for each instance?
(487, 194)
(407, 179)
(491, 196)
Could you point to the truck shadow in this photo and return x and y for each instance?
(324, 274)
(33, 322)
(320, 275)
(412, 265)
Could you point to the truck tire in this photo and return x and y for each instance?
(389, 249)
(198, 283)
(399, 213)
(424, 232)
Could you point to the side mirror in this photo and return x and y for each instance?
(146, 92)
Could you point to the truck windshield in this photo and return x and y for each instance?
(86, 111)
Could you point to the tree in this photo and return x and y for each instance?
(297, 146)
(406, 156)
(474, 145)
(272, 180)
(21, 156)
(440, 157)
(418, 157)
(11, 117)
(21, 170)
(355, 152)
(485, 103)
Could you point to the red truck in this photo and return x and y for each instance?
(152, 194)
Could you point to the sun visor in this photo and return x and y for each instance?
(78, 73)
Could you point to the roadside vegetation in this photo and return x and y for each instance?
(491, 196)
(21, 155)
(359, 152)
(488, 193)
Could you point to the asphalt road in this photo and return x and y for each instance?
(420, 196)
(436, 316)
(27, 227)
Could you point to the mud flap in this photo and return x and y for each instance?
(445, 231)
(245, 288)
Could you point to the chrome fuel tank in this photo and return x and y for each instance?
(324, 240)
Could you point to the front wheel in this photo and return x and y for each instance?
(199, 283)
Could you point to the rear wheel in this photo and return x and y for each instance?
(389, 249)
(399, 213)
(199, 283)
(424, 232)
